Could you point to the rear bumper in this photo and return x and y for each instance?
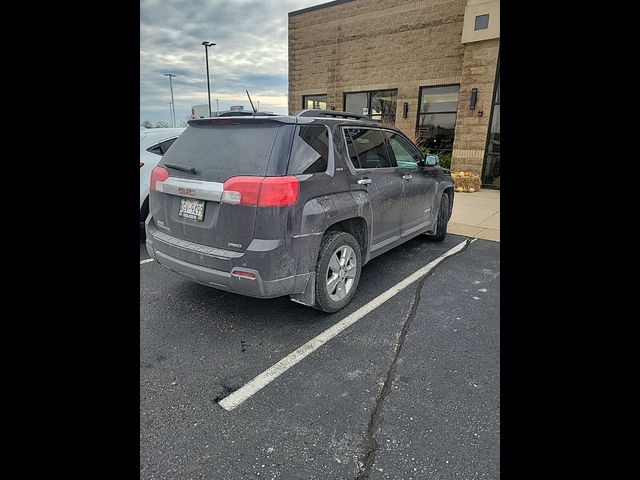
(216, 270)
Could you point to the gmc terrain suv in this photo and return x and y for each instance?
(291, 205)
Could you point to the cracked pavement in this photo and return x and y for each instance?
(410, 391)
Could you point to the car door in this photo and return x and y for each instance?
(418, 184)
(373, 171)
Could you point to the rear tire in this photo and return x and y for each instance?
(337, 271)
(443, 219)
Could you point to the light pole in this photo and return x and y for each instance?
(206, 53)
(173, 105)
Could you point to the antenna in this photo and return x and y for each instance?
(252, 107)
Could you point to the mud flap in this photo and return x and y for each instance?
(308, 296)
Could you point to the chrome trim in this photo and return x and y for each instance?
(195, 247)
(186, 187)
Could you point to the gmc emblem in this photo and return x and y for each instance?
(186, 191)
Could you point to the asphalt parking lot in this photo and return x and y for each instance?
(409, 391)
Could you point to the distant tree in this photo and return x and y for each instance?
(147, 124)
(162, 124)
(183, 123)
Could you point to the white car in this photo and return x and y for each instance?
(154, 142)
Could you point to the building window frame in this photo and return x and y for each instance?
(369, 97)
(304, 99)
(419, 113)
(479, 22)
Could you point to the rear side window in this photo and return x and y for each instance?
(155, 149)
(161, 148)
(219, 152)
(166, 144)
(310, 150)
(367, 148)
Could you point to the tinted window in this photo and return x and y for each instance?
(219, 152)
(383, 106)
(310, 150)
(406, 154)
(155, 149)
(437, 120)
(368, 147)
(161, 148)
(166, 144)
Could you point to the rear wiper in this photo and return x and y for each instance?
(184, 168)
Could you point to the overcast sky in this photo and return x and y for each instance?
(251, 53)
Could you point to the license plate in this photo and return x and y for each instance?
(192, 208)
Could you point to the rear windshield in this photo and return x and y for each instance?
(219, 152)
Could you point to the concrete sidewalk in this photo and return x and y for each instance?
(476, 215)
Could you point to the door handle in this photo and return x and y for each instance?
(364, 181)
(407, 176)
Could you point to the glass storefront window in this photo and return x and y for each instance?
(380, 105)
(383, 106)
(437, 118)
(314, 102)
(357, 103)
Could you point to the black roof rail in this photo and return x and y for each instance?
(331, 113)
(244, 113)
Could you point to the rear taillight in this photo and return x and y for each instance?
(261, 191)
(141, 164)
(278, 191)
(158, 174)
(242, 190)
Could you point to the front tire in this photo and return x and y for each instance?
(337, 271)
(443, 219)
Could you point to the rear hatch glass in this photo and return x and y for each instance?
(216, 153)
(219, 152)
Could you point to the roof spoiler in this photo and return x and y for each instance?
(331, 113)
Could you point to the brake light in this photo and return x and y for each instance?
(261, 191)
(278, 191)
(158, 174)
(242, 190)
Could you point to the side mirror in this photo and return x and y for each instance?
(431, 160)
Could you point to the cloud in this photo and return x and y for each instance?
(251, 53)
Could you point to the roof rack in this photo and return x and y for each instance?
(331, 113)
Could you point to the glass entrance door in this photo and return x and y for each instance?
(491, 169)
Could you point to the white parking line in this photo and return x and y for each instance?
(146, 261)
(236, 398)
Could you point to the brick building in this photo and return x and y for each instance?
(430, 67)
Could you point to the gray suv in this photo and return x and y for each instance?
(268, 206)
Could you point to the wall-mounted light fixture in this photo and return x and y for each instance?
(474, 98)
(405, 109)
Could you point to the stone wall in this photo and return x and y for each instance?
(376, 44)
(363, 45)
